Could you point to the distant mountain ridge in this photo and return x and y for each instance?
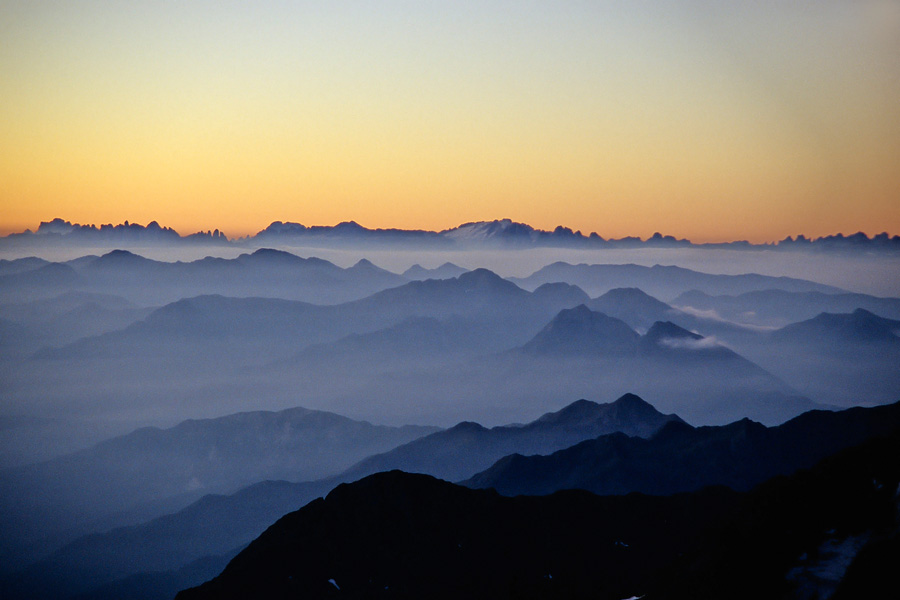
(175, 540)
(681, 458)
(459, 452)
(660, 281)
(496, 233)
(265, 272)
(152, 471)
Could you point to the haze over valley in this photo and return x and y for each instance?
(158, 416)
(452, 300)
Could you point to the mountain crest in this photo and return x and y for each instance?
(580, 330)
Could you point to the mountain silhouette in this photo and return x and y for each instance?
(682, 372)
(152, 471)
(631, 305)
(661, 281)
(681, 458)
(402, 535)
(173, 542)
(778, 308)
(582, 331)
(461, 451)
(264, 272)
(860, 326)
(446, 271)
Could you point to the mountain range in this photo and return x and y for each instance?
(264, 273)
(396, 535)
(681, 458)
(196, 539)
(661, 281)
(777, 308)
(172, 542)
(497, 233)
(460, 451)
(153, 471)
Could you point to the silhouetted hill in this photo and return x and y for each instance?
(827, 532)
(582, 331)
(127, 551)
(681, 458)
(396, 535)
(661, 281)
(463, 450)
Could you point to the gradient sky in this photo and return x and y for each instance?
(712, 120)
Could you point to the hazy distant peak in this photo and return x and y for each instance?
(628, 408)
(447, 270)
(573, 293)
(630, 399)
(271, 255)
(630, 294)
(576, 409)
(580, 330)
(120, 254)
(860, 325)
(264, 252)
(116, 258)
(468, 426)
(668, 330)
(366, 264)
(484, 278)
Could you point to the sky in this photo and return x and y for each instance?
(708, 120)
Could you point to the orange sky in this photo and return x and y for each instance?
(751, 121)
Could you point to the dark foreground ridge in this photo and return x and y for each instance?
(396, 535)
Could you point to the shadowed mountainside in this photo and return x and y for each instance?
(169, 544)
(463, 450)
(396, 535)
(682, 458)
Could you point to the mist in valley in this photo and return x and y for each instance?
(136, 382)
